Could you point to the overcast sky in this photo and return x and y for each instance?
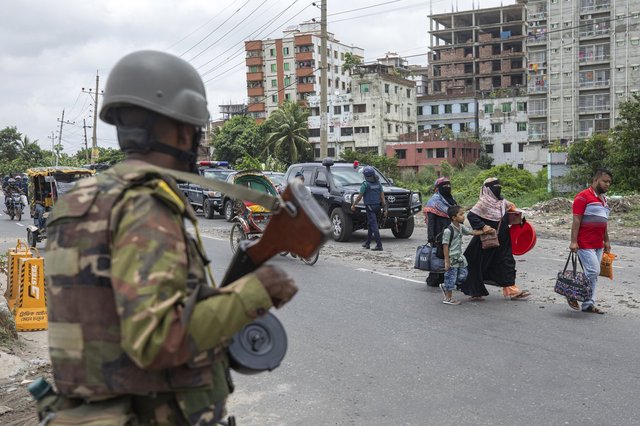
(50, 51)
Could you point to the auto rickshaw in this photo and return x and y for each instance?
(250, 219)
(45, 185)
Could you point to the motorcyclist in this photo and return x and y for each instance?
(13, 187)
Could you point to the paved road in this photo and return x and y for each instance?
(370, 344)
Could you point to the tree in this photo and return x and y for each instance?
(387, 165)
(625, 147)
(238, 137)
(288, 137)
(585, 156)
(10, 140)
(350, 62)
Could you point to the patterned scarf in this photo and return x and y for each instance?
(438, 204)
(488, 206)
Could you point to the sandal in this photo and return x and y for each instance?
(444, 291)
(573, 304)
(522, 295)
(451, 301)
(593, 310)
(477, 298)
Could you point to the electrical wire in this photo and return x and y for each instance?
(201, 26)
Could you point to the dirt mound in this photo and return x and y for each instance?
(554, 205)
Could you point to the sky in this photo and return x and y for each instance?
(51, 51)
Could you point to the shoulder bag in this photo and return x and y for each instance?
(489, 241)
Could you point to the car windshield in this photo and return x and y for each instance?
(352, 176)
(217, 174)
(277, 179)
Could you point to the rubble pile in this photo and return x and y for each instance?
(554, 205)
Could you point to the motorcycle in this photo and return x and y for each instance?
(14, 206)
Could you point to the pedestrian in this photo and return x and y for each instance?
(455, 264)
(136, 322)
(495, 266)
(437, 219)
(589, 236)
(373, 193)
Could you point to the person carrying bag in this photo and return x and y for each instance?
(573, 284)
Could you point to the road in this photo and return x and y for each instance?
(370, 344)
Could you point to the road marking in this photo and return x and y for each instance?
(214, 238)
(389, 275)
(19, 224)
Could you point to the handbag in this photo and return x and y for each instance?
(572, 284)
(489, 241)
(426, 259)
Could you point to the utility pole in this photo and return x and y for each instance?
(86, 145)
(53, 147)
(94, 97)
(323, 80)
(60, 135)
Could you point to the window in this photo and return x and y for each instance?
(506, 107)
(253, 68)
(314, 133)
(434, 109)
(521, 146)
(429, 152)
(441, 153)
(521, 106)
(506, 147)
(274, 83)
(388, 128)
(346, 131)
(395, 107)
(489, 149)
(408, 110)
(361, 129)
(488, 108)
(388, 108)
(336, 69)
(285, 51)
(401, 154)
(496, 128)
(335, 54)
(287, 66)
(337, 110)
(287, 81)
(364, 87)
(274, 67)
(386, 88)
(395, 89)
(522, 127)
(359, 108)
(408, 93)
(346, 108)
(272, 52)
(274, 98)
(287, 96)
(464, 107)
(419, 111)
(448, 108)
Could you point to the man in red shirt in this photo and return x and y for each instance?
(589, 237)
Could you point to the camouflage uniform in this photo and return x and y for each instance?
(123, 277)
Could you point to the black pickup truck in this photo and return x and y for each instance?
(203, 199)
(335, 185)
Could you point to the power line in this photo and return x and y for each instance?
(365, 7)
(201, 26)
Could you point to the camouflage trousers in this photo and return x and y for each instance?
(166, 409)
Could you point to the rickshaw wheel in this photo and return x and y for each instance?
(311, 260)
(237, 235)
(32, 238)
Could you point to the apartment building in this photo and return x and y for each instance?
(584, 59)
(288, 68)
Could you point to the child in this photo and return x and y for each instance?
(455, 263)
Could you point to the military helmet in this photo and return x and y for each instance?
(159, 82)
(368, 171)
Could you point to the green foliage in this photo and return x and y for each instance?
(288, 138)
(624, 153)
(388, 166)
(350, 62)
(446, 169)
(248, 162)
(238, 137)
(485, 161)
(585, 157)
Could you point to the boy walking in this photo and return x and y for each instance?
(455, 264)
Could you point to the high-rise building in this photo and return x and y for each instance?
(584, 59)
(288, 68)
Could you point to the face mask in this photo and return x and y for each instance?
(496, 189)
(445, 190)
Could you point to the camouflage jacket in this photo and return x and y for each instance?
(120, 269)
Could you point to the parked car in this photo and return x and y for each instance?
(277, 178)
(335, 185)
(203, 199)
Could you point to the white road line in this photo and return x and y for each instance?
(389, 275)
(214, 238)
(19, 224)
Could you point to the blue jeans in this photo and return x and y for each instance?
(372, 222)
(455, 275)
(590, 259)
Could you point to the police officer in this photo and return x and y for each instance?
(135, 319)
(373, 194)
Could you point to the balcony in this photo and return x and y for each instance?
(255, 91)
(257, 107)
(537, 113)
(537, 136)
(592, 109)
(582, 58)
(532, 40)
(538, 16)
(304, 56)
(595, 84)
(602, 32)
(254, 60)
(595, 8)
(304, 72)
(255, 76)
(537, 89)
(305, 87)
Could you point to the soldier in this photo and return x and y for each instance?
(133, 321)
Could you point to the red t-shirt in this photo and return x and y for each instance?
(595, 213)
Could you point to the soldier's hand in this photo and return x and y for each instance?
(278, 284)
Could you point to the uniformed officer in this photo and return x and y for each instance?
(130, 323)
(373, 193)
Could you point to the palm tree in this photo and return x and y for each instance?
(289, 130)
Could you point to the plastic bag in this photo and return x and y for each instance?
(606, 265)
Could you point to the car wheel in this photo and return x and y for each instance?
(341, 225)
(207, 209)
(404, 230)
(228, 210)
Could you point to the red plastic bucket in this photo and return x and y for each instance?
(523, 238)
